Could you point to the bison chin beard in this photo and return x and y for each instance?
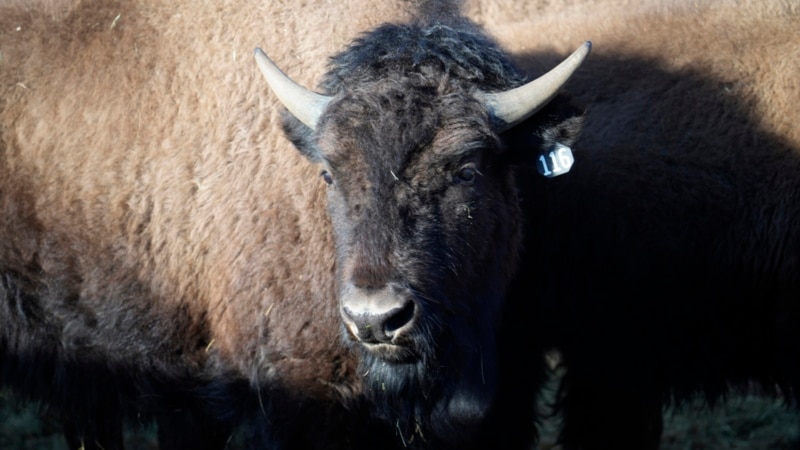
(442, 397)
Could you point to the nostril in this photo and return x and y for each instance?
(379, 328)
(366, 327)
(374, 316)
(398, 318)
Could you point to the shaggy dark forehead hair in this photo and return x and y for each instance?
(403, 122)
(456, 51)
(400, 84)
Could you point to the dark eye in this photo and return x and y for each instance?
(326, 176)
(466, 174)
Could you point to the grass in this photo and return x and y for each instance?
(744, 422)
(749, 422)
(25, 427)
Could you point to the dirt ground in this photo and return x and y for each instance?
(743, 423)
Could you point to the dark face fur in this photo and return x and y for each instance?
(426, 219)
(427, 225)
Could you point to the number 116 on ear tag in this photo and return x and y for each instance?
(556, 162)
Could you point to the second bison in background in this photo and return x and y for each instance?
(667, 264)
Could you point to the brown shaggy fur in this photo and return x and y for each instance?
(122, 100)
(137, 140)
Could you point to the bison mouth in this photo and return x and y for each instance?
(388, 352)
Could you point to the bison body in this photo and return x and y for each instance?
(665, 266)
(165, 252)
(108, 307)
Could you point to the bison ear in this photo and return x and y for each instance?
(301, 136)
(555, 126)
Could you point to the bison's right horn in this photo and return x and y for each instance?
(513, 106)
(304, 104)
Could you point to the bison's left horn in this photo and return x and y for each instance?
(513, 106)
(304, 104)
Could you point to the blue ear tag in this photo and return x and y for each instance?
(555, 162)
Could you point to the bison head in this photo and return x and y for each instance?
(409, 136)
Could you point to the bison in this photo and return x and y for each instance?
(166, 253)
(666, 265)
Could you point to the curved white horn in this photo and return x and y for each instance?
(304, 104)
(515, 105)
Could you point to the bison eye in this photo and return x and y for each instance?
(326, 176)
(466, 174)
